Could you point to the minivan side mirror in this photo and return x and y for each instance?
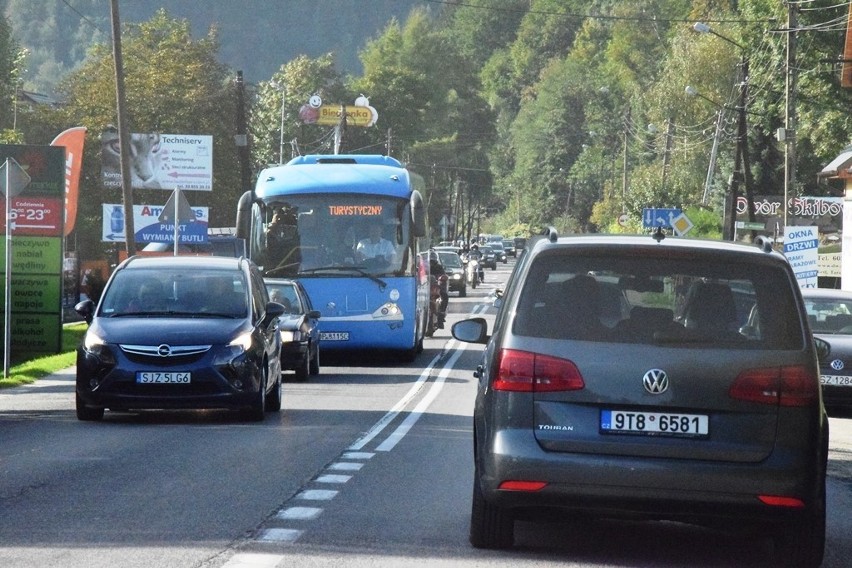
(474, 330)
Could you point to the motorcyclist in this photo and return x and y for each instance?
(476, 255)
(436, 269)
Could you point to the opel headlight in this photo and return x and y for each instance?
(93, 343)
(241, 343)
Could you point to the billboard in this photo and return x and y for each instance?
(34, 239)
(824, 213)
(148, 227)
(159, 161)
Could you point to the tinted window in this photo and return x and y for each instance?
(640, 299)
(175, 290)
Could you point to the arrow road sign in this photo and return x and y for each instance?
(659, 217)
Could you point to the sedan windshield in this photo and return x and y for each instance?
(148, 292)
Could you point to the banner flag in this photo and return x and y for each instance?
(73, 140)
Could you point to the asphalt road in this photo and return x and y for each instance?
(365, 466)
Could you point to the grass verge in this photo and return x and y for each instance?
(30, 370)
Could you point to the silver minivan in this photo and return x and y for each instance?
(622, 378)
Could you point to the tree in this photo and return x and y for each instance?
(427, 96)
(174, 85)
(291, 87)
(11, 56)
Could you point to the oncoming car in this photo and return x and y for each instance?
(298, 326)
(694, 420)
(180, 332)
(454, 268)
(830, 316)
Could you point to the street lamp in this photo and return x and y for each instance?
(283, 89)
(741, 160)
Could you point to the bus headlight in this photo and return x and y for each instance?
(388, 311)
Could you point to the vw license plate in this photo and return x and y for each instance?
(657, 423)
(157, 377)
(836, 380)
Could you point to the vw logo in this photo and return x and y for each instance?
(837, 365)
(656, 381)
(164, 350)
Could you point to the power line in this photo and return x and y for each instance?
(572, 15)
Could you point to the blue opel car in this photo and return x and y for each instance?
(180, 332)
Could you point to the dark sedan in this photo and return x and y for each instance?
(299, 328)
(454, 268)
(489, 257)
(830, 315)
(180, 332)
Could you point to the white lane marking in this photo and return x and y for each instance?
(299, 513)
(427, 400)
(253, 560)
(346, 466)
(393, 412)
(279, 535)
(358, 455)
(317, 494)
(331, 478)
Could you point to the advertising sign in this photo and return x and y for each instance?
(160, 161)
(149, 228)
(34, 250)
(800, 248)
(825, 213)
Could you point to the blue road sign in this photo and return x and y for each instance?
(659, 217)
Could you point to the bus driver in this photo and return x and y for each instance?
(375, 248)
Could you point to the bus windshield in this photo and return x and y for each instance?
(332, 235)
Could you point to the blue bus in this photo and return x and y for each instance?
(350, 228)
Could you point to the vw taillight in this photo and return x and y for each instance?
(786, 386)
(522, 371)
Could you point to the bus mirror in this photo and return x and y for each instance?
(418, 215)
(244, 215)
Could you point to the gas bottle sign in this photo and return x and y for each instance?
(149, 229)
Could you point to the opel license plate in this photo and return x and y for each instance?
(158, 377)
(656, 423)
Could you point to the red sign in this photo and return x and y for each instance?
(35, 216)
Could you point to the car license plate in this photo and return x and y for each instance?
(156, 377)
(836, 380)
(657, 423)
(334, 336)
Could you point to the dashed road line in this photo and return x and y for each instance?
(351, 460)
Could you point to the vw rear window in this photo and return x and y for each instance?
(674, 300)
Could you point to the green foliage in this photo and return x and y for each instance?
(11, 56)
(516, 113)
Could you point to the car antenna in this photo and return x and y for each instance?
(658, 234)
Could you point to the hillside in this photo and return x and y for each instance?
(256, 36)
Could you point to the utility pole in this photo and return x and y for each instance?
(668, 151)
(742, 164)
(624, 160)
(708, 181)
(123, 133)
(790, 106)
(241, 137)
